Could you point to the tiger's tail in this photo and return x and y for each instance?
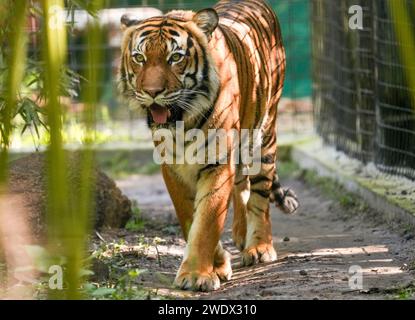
(284, 198)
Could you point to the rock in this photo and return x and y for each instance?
(303, 272)
(28, 180)
(286, 239)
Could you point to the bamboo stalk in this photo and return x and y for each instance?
(70, 207)
(58, 214)
(93, 60)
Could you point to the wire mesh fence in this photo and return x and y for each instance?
(363, 102)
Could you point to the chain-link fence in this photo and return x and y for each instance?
(362, 98)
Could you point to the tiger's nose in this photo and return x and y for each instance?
(153, 92)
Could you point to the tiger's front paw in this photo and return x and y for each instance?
(257, 254)
(197, 281)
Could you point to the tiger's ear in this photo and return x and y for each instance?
(207, 20)
(128, 20)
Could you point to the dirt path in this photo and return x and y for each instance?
(316, 247)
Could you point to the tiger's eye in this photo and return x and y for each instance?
(176, 57)
(139, 58)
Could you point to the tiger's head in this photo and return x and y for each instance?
(166, 67)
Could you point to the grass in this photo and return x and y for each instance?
(136, 222)
(351, 201)
(290, 169)
(334, 190)
(287, 169)
(122, 282)
(402, 293)
(122, 163)
(125, 288)
(125, 264)
(405, 294)
(119, 163)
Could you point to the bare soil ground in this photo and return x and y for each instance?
(316, 247)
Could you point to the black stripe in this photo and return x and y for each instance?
(189, 42)
(173, 32)
(259, 179)
(206, 168)
(193, 75)
(205, 72)
(259, 210)
(267, 142)
(263, 193)
(174, 44)
(240, 181)
(123, 74)
(275, 184)
(268, 159)
(145, 26)
(146, 33)
(204, 88)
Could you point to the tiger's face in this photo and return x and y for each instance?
(166, 68)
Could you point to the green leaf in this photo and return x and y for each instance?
(136, 272)
(102, 292)
(89, 287)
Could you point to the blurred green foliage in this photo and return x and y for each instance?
(30, 95)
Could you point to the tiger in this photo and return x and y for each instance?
(217, 68)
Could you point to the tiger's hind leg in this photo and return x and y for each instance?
(259, 246)
(265, 188)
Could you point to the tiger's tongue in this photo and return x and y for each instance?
(159, 113)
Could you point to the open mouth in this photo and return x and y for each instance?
(159, 113)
